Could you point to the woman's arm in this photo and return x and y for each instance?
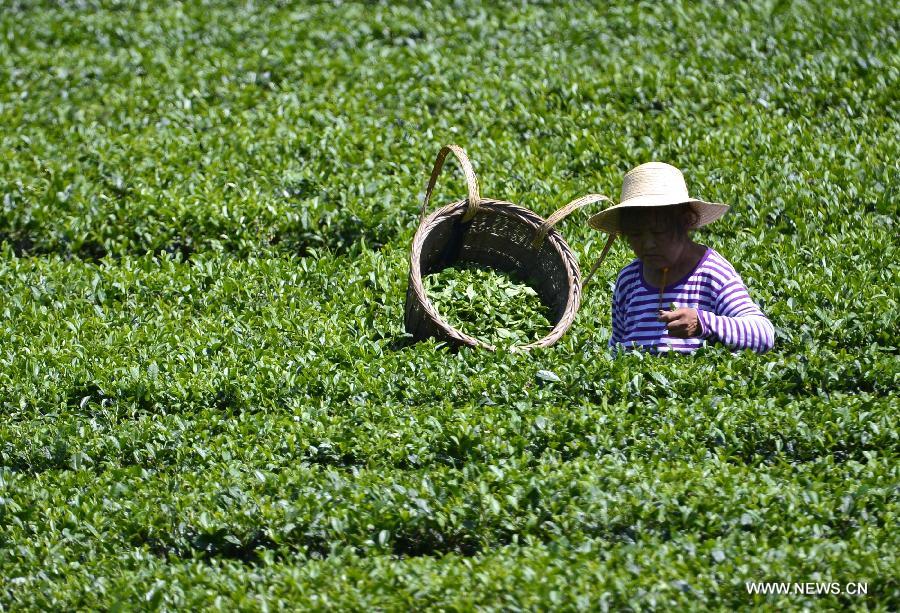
(737, 323)
(618, 328)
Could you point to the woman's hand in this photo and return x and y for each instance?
(681, 323)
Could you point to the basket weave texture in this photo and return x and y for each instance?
(497, 234)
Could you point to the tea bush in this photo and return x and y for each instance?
(208, 397)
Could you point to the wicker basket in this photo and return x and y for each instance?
(500, 235)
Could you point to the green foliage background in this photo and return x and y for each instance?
(206, 398)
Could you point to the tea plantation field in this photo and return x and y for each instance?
(207, 398)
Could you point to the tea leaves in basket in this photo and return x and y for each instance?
(488, 305)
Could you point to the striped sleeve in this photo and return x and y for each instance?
(618, 324)
(737, 322)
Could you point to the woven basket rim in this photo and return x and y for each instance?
(510, 209)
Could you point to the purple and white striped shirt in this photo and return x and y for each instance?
(714, 288)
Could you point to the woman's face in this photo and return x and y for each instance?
(654, 236)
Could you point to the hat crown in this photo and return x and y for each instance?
(654, 179)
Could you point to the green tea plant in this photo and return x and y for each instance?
(207, 400)
(488, 305)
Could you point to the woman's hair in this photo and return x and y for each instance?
(682, 217)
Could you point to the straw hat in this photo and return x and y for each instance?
(655, 184)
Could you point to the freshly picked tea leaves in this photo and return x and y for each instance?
(488, 305)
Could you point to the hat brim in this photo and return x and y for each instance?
(607, 220)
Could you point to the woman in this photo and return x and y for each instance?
(677, 294)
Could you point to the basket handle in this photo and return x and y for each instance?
(468, 172)
(609, 242)
(573, 206)
(561, 214)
